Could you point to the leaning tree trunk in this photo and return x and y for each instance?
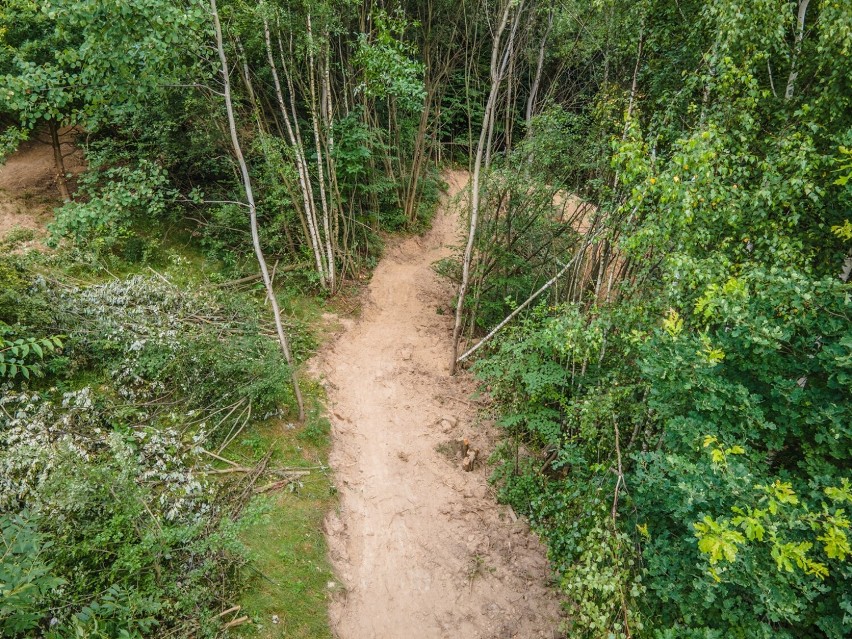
(258, 251)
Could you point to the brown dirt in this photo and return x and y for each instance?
(421, 547)
(28, 192)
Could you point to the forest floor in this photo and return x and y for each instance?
(421, 546)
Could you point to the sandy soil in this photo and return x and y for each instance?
(28, 191)
(421, 547)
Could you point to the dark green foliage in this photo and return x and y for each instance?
(27, 580)
(715, 379)
(111, 200)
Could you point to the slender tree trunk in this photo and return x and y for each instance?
(246, 75)
(797, 49)
(301, 147)
(500, 73)
(58, 160)
(539, 67)
(301, 165)
(633, 85)
(331, 166)
(321, 172)
(255, 237)
(474, 198)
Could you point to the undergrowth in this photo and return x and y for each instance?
(150, 464)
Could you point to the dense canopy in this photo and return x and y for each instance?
(670, 181)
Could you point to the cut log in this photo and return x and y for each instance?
(470, 459)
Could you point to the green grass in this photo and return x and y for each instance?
(289, 575)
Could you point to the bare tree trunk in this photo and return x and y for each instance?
(255, 237)
(500, 73)
(771, 79)
(477, 169)
(531, 100)
(632, 99)
(301, 165)
(411, 189)
(58, 160)
(328, 111)
(522, 306)
(315, 121)
(300, 145)
(241, 54)
(797, 49)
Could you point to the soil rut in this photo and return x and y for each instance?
(422, 548)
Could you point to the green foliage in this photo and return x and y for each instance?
(135, 530)
(603, 585)
(717, 378)
(16, 355)
(779, 515)
(26, 580)
(112, 199)
(9, 141)
(77, 61)
(127, 533)
(386, 62)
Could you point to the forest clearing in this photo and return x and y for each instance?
(425, 319)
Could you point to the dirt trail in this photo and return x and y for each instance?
(28, 191)
(421, 546)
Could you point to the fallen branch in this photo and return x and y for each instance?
(239, 621)
(228, 611)
(281, 482)
(529, 300)
(248, 489)
(227, 471)
(222, 459)
(232, 437)
(162, 277)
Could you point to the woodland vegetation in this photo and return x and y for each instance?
(659, 206)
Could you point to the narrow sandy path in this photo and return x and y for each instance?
(421, 547)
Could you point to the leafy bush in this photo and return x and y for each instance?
(705, 406)
(110, 199)
(26, 578)
(131, 519)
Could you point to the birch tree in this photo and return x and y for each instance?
(250, 204)
(499, 60)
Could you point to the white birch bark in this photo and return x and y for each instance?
(321, 173)
(255, 237)
(475, 180)
(301, 166)
(797, 49)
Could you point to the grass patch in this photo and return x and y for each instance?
(291, 579)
